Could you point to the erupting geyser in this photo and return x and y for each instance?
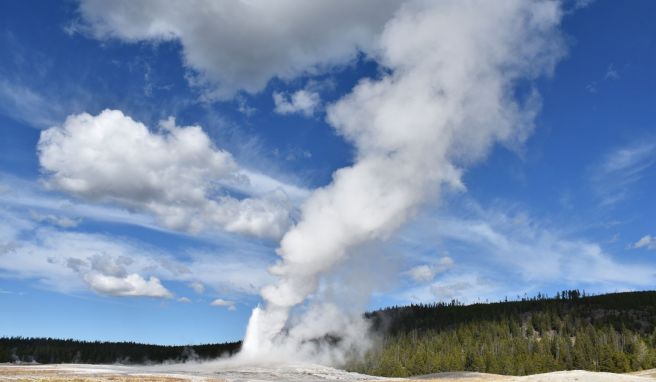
(449, 93)
(258, 339)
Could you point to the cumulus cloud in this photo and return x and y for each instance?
(445, 99)
(302, 101)
(230, 305)
(106, 274)
(237, 45)
(426, 272)
(34, 198)
(647, 242)
(131, 285)
(174, 173)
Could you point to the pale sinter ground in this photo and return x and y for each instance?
(214, 371)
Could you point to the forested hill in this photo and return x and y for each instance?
(49, 350)
(613, 332)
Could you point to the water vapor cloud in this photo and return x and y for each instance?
(448, 97)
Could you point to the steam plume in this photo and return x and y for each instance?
(450, 93)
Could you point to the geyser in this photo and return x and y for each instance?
(449, 92)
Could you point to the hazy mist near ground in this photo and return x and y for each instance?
(210, 372)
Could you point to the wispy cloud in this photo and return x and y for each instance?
(621, 169)
(499, 252)
(69, 262)
(60, 221)
(646, 242)
(611, 74)
(2, 291)
(23, 104)
(56, 209)
(467, 287)
(39, 205)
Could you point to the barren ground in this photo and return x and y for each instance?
(215, 372)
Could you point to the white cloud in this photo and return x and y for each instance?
(422, 273)
(7, 247)
(68, 261)
(232, 46)
(647, 242)
(506, 252)
(630, 159)
(302, 101)
(621, 169)
(131, 285)
(22, 194)
(292, 154)
(230, 305)
(260, 185)
(60, 221)
(198, 287)
(185, 300)
(426, 272)
(611, 73)
(507, 243)
(238, 269)
(100, 264)
(466, 288)
(21, 103)
(173, 174)
(578, 4)
(244, 108)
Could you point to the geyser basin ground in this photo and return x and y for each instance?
(213, 371)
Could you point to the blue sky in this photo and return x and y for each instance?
(570, 206)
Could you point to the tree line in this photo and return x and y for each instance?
(612, 332)
(51, 350)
